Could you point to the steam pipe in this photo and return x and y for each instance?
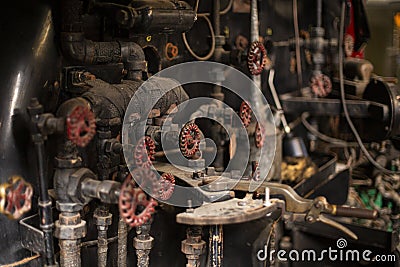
(216, 16)
(103, 220)
(76, 47)
(45, 213)
(46, 220)
(143, 244)
(319, 13)
(122, 243)
(217, 93)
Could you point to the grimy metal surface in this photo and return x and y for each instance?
(28, 67)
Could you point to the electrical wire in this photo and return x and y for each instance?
(196, 6)
(322, 136)
(343, 98)
(21, 262)
(211, 52)
(297, 37)
(212, 33)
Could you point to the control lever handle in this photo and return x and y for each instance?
(354, 212)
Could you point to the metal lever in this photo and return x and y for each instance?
(313, 209)
(320, 205)
(338, 226)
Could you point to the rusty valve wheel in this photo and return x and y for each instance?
(167, 182)
(245, 113)
(189, 140)
(81, 126)
(131, 197)
(321, 85)
(259, 136)
(171, 51)
(144, 152)
(15, 197)
(257, 58)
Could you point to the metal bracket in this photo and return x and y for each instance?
(32, 238)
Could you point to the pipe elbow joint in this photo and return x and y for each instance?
(74, 47)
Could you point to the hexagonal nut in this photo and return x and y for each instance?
(143, 244)
(70, 232)
(68, 207)
(190, 248)
(103, 220)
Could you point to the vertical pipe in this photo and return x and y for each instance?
(122, 243)
(103, 219)
(45, 213)
(216, 246)
(143, 243)
(217, 93)
(70, 253)
(254, 31)
(35, 109)
(319, 13)
(298, 51)
(193, 246)
(70, 228)
(102, 247)
(216, 17)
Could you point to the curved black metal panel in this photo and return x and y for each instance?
(29, 63)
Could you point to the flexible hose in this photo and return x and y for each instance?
(343, 98)
(297, 37)
(212, 50)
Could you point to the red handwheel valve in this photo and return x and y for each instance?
(15, 197)
(257, 58)
(81, 126)
(189, 140)
(245, 113)
(144, 152)
(321, 85)
(167, 182)
(259, 136)
(131, 197)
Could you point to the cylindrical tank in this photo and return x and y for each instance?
(29, 66)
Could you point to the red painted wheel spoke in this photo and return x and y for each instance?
(257, 58)
(18, 197)
(245, 114)
(189, 140)
(81, 126)
(131, 197)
